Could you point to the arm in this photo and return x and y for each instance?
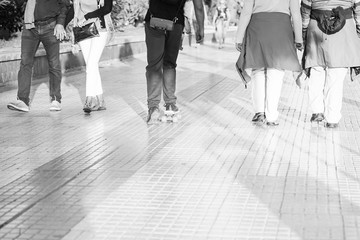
(64, 6)
(357, 16)
(244, 21)
(215, 16)
(296, 19)
(199, 13)
(102, 11)
(305, 15)
(59, 30)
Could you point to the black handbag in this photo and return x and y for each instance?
(85, 32)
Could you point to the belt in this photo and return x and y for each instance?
(45, 22)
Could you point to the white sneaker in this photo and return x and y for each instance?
(18, 105)
(55, 106)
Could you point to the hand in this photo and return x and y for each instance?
(299, 78)
(200, 38)
(59, 32)
(299, 46)
(239, 46)
(81, 22)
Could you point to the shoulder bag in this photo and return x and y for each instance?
(85, 32)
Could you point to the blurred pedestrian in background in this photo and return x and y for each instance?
(221, 22)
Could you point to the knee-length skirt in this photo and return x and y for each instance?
(268, 43)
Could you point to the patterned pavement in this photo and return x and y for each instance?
(213, 175)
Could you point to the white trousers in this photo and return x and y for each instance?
(326, 92)
(266, 91)
(92, 49)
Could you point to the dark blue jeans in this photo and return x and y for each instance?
(30, 41)
(162, 52)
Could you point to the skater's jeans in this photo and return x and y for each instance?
(30, 40)
(162, 52)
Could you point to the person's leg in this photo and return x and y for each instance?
(52, 48)
(29, 45)
(222, 38)
(196, 31)
(316, 92)
(92, 49)
(218, 33)
(191, 32)
(155, 41)
(274, 80)
(170, 57)
(187, 29)
(258, 90)
(89, 103)
(333, 92)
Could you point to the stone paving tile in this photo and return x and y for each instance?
(213, 175)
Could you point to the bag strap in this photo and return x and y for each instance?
(177, 12)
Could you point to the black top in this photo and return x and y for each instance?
(166, 9)
(47, 9)
(102, 11)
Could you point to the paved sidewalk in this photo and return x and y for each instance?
(213, 175)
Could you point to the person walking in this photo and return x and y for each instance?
(221, 22)
(43, 22)
(331, 31)
(162, 52)
(267, 36)
(188, 23)
(88, 11)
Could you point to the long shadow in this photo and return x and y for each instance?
(294, 208)
(351, 102)
(60, 186)
(302, 202)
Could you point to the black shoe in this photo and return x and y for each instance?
(272, 123)
(153, 115)
(259, 117)
(331, 125)
(317, 117)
